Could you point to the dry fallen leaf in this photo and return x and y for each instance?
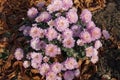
(3, 44)
(1, 62)
(92, 5)
(25, 77)
(3, 25)
(86, 76)
(10, 57)
(7, 65)
(11, 75)
(80, 62)
(35, 2)
(1, 50)
(87, 70)
(17, 63)
(22, 77)
(36, 78)
(87, 62)
(34, 71)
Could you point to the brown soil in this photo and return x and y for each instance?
(109, 63)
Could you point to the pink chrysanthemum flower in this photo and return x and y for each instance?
(69, 75)
(44, 68)
(51, 76)
(94, 59)
(22, 28)
(44, 16)
(68, 42)
(90, 51)
(95, 33)
(51, 8)
(35, 64)
(59, 51)
(59, 37)
(28, 56)
(77, 73)
(67, 33)
(72, 16)
(32, 12)
(95, 52)
(42, 45)
(46, 59)
(51, 23)
(51, 34)
(36, 32)
(52, 50)
(63, 66)
(37, 57)
(106, 34)
(35, 44)
(80, 42)
(67, 4)
(70, 63)
(85, 36)
(41, 4)
(76, 30)
(56, 67)
(57, 4)
(19, 54)
(86, 16)
(36, 60)
(61, 23)
(26, 30)
(97, 44)
(90, 25)
(26, 64)
(74, 9)
(58, 78)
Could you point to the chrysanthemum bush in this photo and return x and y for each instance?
(57, 37)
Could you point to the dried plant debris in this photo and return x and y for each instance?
(3, 44)
(15, 70)
(15, 10)
(3, 24)
(87, 70)
(92, 5)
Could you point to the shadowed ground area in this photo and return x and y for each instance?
(109, 64)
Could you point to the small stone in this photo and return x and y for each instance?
(113, 79)
(106, 76)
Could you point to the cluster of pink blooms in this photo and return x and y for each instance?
(57, 5)
(51, 71)
(61, 23)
